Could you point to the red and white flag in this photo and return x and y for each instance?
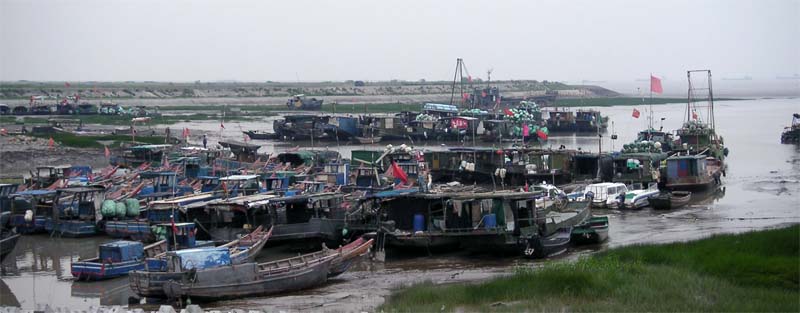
(635, 113)
(655, 84)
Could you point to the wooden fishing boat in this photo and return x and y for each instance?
(149, 281)
(348, 254)
(670, 200)
(542, 247)
(116, 259)
(368, 140)
(592, 231)
(259, 135)
(252, 279)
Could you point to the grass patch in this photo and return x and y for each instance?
(121, 120)
(622, 101)
(75, 141)
(756, 271)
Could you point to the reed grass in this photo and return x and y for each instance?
(757, 271)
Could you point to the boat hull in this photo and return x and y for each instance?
(593, 231)
(95, 270)
(245, 281)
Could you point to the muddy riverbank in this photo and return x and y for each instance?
(761, 190)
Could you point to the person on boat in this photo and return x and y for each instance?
(205, 141)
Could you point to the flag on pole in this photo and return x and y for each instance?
(508, 112)
(222, 125)
(525, 130)
(185, 132)
(107, 153)
(67, 84)
(635, 113)
(541, 134)
(465, 96)
(51, 143)
(655, 85)
(469, 78)
(694, 114)
(399, 173)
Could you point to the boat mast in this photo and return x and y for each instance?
(691, 105)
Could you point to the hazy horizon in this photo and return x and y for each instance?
(600, 42)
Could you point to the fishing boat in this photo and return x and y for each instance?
(604, 195)
(116, 259)
(250, 279)
(670, 200)
(637, 198)
(368, 140)
(75, 211)
(348, 255)
(300, 102)
(542, 247)
(592, 231)
(791, 134)
(149, 281)
(692, 172)
(300, 127)
(260, 135)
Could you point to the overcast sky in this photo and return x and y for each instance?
(380, 40)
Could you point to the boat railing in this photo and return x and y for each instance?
(286, 265)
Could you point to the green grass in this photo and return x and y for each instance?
(75, 141)
(121, 120)
(622, 101)
(757, 271)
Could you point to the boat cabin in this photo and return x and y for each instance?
(641, 168)
(242, 152)
(40, 204)
(179, 208)
(315, 217)
(240, 185)
(138, 155)
(75, 211)
(198, 258)
(686, 172)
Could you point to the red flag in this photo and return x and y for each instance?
(469, 78)
(526, 186)
(166, 162)
(107, 153)
(694, 115)
(51, 143)
(635, 113)
(483, 94)
(398, 173)
(225, 187)
(508, 112)
(465, 96)
(246, 137)
(655, 84)
(66, 84)
(221, 125)
(541, 134)
(525, 130)
(185, 132)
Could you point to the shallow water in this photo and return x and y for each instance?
(761, 190)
